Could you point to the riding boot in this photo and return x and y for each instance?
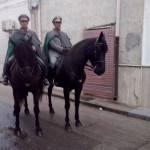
(54, 72)
(45, 80)
(44, 70)
(5, 74)
(5, 80)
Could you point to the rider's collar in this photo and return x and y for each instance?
(57, 30)
(26, 30)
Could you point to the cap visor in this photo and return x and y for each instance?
(24, 19)
(57, 20)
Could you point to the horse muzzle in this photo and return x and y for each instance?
(99, 70)
(28, 81)
(27, 84)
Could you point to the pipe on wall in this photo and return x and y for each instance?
(39, 20)
(117, 34)
(35, 10)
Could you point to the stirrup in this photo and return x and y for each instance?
(45, 82)
(5, 81)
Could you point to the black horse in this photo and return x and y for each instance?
(72, 76)
(26, 76)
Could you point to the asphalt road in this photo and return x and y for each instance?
(101, 130)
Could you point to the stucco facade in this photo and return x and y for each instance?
(77, 15)
(130, 52)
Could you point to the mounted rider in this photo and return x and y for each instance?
(26, 33)
(56, 44)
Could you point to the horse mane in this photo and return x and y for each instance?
(89, 41)
(23, 52)
(83, 42)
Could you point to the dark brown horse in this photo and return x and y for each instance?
(72, 76)
(26, 76)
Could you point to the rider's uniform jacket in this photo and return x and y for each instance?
(19, 33)
(55, 42)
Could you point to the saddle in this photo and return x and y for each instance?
(58, 64)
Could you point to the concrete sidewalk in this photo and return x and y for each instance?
(109, 105)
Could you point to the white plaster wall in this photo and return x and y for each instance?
(130, 53)
(77, 15)
(9, 10)
(131, 29)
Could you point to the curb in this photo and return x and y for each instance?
(134, 112)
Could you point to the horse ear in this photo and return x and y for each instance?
(12, 42)
(101, 36)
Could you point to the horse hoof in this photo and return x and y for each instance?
(52, 111)
(78, 124)
(18, 132)
(68, 128)
(39, 132)
(26, 111)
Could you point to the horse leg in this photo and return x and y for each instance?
(17, 111)
(51, 110)
(36, 112)
(14, 114)
(26, 110)
(67, 106)
(78, 90)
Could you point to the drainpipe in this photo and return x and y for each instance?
(35, 10)
(39, 20)
(117, 34)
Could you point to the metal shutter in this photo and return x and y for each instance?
(102, 86)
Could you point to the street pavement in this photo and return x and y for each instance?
(101, 130)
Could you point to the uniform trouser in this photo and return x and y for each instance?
(43, 66)
(42, 62)
(5, 69)
(6, 66)
(55, 64)
(53, 61)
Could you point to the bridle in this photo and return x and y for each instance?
(20, 70)
(91, 67)
(25, 68)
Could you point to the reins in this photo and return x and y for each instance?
(91, 68)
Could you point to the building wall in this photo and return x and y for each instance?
(145, 87)
(77, 15)
(9, 10)
(130, 52)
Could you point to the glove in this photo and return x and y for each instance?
(65, 49)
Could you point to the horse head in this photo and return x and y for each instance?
(97, 54)
(25, 58)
